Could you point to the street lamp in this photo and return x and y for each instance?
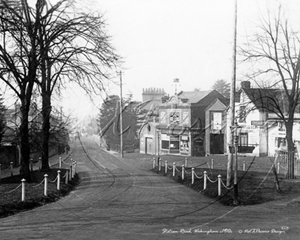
(236, 131)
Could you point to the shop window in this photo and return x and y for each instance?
(165, 144)
(174, 144)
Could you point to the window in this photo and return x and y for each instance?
(243, 139)
(165, 144)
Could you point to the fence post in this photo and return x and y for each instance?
(58, 180)
(186, 162)
(11, 169)
(174, 168)
(31, 164)
(182, 172)
(23, 190)
(59, 162)
(159, 164)
(153, 164)
(66, 176)
(166, 167)
(46, 185)
(193, 175)
(205, 180)
(244, 166)
(219, 185)
(212, 164)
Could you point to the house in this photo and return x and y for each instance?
(147, 119)
(192, 123)
(263, 132)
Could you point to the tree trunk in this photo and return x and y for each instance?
(46, 131)
(290, 149)
(24, 141)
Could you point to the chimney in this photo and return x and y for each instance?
(245, 84)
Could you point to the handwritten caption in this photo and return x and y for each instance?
(225, 231)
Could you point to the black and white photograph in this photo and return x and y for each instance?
(149, 119)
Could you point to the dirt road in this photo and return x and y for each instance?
(122, 199)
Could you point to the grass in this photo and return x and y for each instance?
(10, 192)
(253, 187)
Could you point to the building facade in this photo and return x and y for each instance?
(190, 123)
(262, 132)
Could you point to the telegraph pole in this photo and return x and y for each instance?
(121, 117)
(232, 103)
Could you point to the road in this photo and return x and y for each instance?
(122, 199)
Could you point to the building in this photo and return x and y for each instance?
(148, 118)
(263, 132)
(193, 124)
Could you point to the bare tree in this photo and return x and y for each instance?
(74, 47)
(18, 62)
(274, 53)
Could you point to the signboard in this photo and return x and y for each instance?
(258, 123)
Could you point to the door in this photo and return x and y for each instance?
(149, 145)
(216, 143)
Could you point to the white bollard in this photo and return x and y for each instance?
(166, 167)
(153, 164)
(159, 164)
(278, 167)
(244, 166)
(174, 168)
(205, 180)
(186, 162)
(193, 175)
(66, 177)
(58, 180)
(23, 190)
(11, 168)
(46, 185)
(182, 172)
(59, 162)
(212, 164)
(219, 185)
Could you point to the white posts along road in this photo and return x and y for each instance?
(122, 199)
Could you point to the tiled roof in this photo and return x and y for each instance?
(267, 99)
(193, 96)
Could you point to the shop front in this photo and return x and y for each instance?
(175, 143)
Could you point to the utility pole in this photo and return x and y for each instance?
(121, 117)
(232, 103)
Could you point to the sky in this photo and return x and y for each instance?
(192, 40)
(160, 40)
